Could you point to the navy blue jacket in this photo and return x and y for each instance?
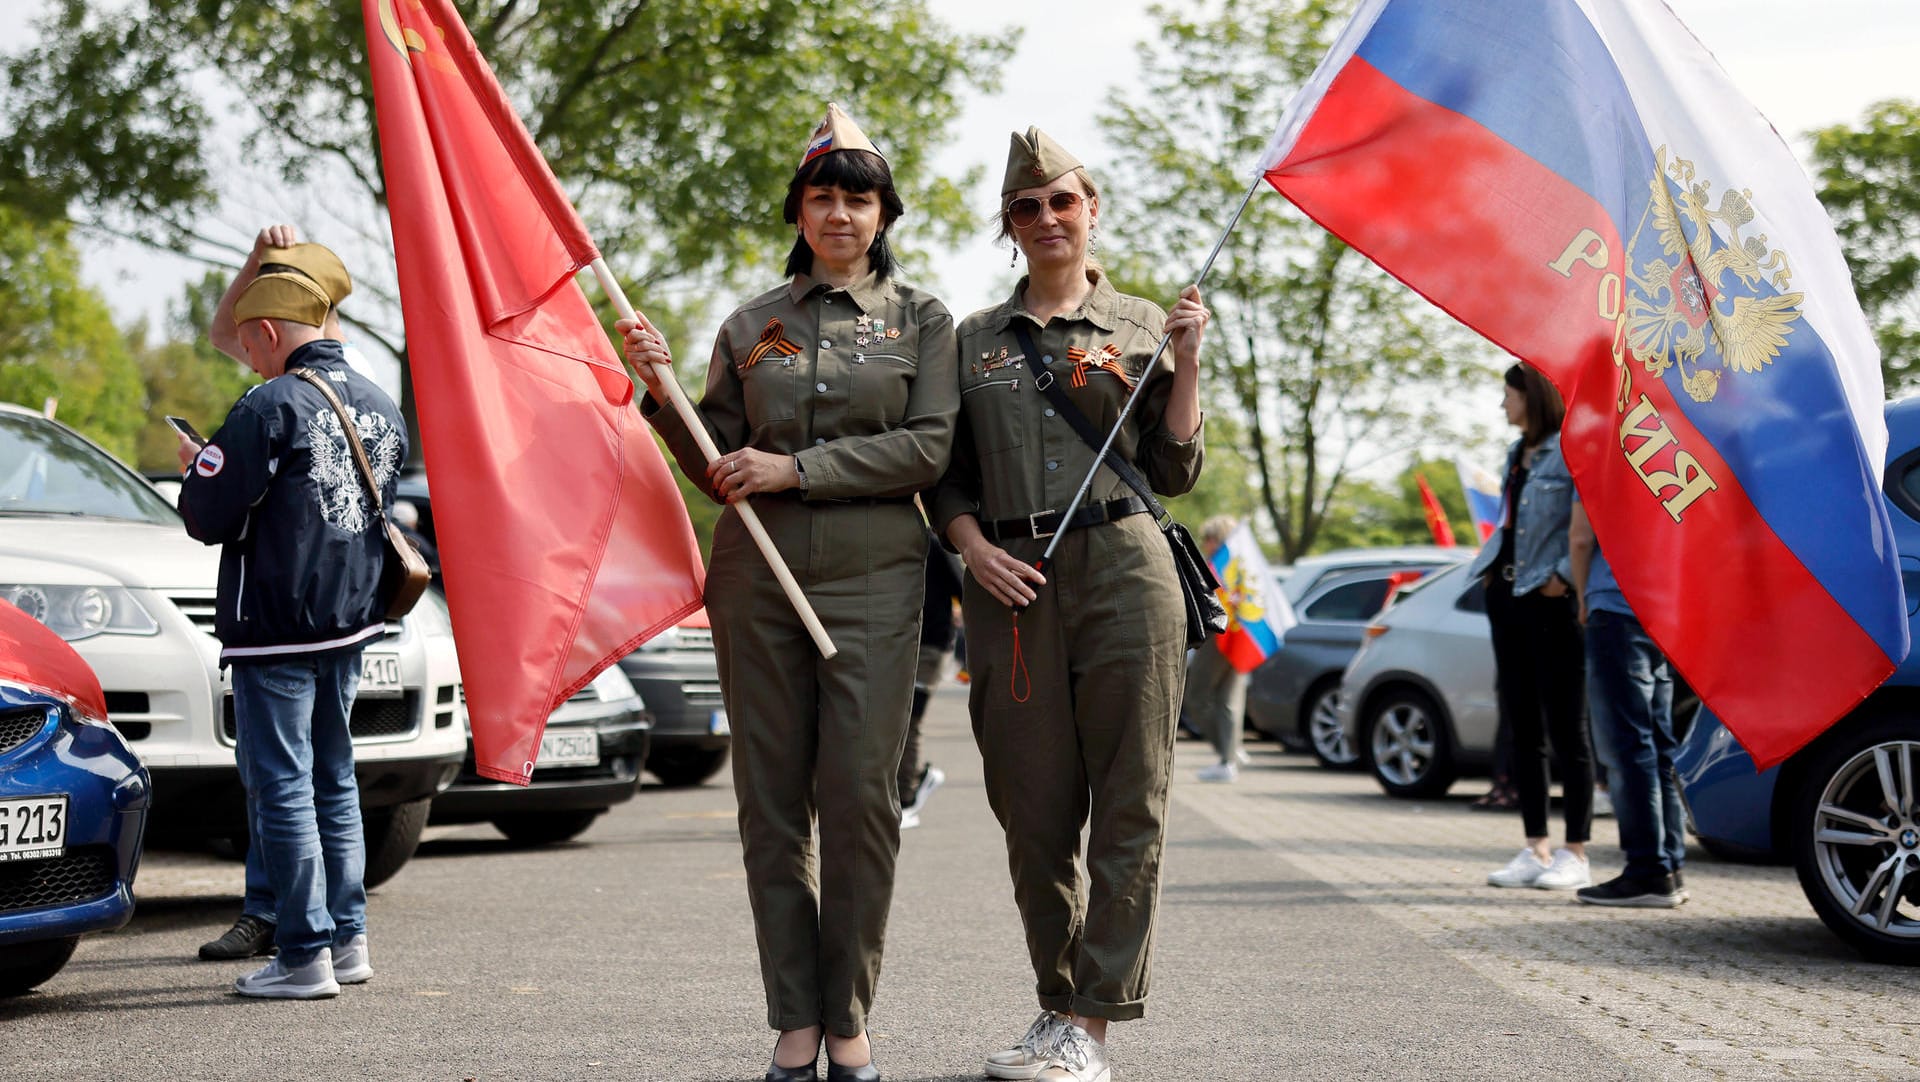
(277, 489)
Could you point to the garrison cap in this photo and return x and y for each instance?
(1035, 159)
(317, 262)
(283, 295)
(837, 132)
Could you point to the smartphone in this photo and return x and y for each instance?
(185, 428)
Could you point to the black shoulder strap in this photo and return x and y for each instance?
(1049, 386)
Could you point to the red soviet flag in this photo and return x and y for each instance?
(1436, 515)
(562, 536)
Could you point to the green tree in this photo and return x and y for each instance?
(1368, 514)
(1327, 363)
(1870, 183)
(57, 339)
(185, 376)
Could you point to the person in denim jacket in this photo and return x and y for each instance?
(1539, 656)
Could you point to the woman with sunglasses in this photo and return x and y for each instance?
(1078, 666)
(832, 398)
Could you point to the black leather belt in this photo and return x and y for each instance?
(1047, 523)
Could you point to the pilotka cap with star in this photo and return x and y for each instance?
(837, 132)
(1035, 159)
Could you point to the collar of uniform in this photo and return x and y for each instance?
(867, 292)
(317, 353)
(1096, 308)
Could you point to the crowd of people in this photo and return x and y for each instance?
(879, 440)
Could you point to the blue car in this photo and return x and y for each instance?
(73, 806)
(1845, 810)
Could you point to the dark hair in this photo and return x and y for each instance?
(1545, 409)
(849, 171)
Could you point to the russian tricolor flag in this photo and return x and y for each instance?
(1258, 612)
(1578, 181)
(1482, 487)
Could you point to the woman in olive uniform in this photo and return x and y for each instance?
(832, 399)
(1076, 700)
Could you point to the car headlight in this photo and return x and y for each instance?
(81, 612)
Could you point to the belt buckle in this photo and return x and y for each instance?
(1033, 524)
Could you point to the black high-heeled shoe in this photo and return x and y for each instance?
(808, 1073)
(866, 1072)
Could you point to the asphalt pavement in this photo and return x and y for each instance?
(1310, 929)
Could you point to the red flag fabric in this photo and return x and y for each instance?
(563, 539)
(32, 655)
(1436, 515)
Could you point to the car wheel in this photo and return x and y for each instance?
(29, 965)
(392, 836)
(546, 828)
(1320, 717)
(1857, 839)
(683, 767)
(1408, 746)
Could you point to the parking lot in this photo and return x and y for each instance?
(1311, 929)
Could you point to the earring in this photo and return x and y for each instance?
(1014, 260)
(1093, 240)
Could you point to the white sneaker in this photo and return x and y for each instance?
(1602, 804)
(1219, 772)
(1567, 872)
(351, 962)
(1241, 757)
(930, 779)
(1077, 1057)
(909, 818)
(1030, 1055)
(275, 981)
(1521, 871)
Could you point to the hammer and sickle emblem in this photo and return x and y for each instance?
(404, 39)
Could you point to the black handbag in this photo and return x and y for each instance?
(1199, 586)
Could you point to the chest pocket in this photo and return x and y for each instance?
(994, 406)
(881, 380)
(769, 389)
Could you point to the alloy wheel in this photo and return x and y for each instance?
(1403, 744)
(1324, 729)
(1866, 835)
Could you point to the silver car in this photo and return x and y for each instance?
(1417, 701)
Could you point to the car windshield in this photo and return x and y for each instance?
(47, 470)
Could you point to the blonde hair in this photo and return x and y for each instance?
(1217, 528)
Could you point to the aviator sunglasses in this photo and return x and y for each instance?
(1025, 211)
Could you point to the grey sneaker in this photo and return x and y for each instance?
(1030, 1054)
(351, 963)
(1567, 872)
(250, 937)
(275, 981)
(1228, 772)
(1077, 1057)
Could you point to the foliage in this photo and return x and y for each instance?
(1369, 514)
(1326, 363)
(57, 339)
(1870, 182)
(185, 376)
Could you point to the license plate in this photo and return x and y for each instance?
(717, 724)
(379, 674)
(33, 829)
(569, 749)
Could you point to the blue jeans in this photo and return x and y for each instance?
(296, 759)
(1630, 698)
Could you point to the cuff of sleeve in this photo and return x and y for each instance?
(948, 504)
(823, 481)
(1185, 451)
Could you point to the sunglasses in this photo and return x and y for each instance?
(1025, 211)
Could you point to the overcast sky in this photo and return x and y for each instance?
(1804, 63)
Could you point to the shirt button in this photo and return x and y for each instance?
(1048, 359)
(826, 343)
(819, 441)
(821, 387)
(1049, 411)
(1052, 465)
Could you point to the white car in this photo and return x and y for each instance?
(93, 551)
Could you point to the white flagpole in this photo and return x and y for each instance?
(695, 425)
(1080, 496)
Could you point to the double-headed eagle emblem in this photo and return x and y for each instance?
(1682, 300)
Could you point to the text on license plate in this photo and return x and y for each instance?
(569, 748)
(33, 828)
(379, 674)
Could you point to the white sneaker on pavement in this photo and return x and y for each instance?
(1602, 804)
(276, 981)
(1030, 1054)
(351, 962)
(1567, 872)
(1077, 1057)
(1241, 757)
(1521, 871)
(1219, 772)
(909, 818)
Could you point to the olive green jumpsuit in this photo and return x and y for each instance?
(1075, 717)
(858, 384)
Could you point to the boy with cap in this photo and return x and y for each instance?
(298, 598)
